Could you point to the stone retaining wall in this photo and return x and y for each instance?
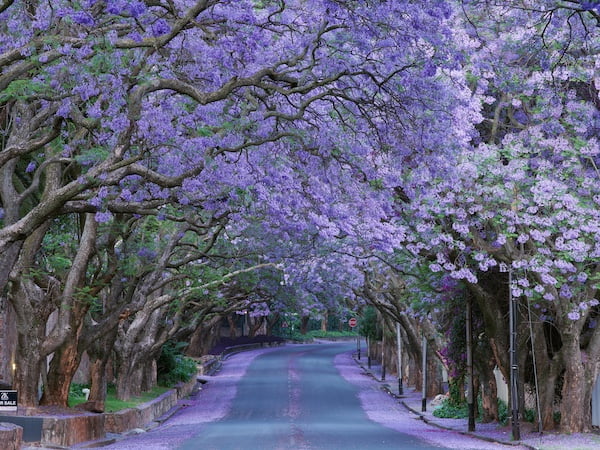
(138, 417)
(128, 419)
(11, 436)
(66, 431)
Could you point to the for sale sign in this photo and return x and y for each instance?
(8, 400)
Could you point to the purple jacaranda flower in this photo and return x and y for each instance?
(83, 18)
(146, 253)
(136, 9)
(103, 216)
(565, 291)
(160, 27)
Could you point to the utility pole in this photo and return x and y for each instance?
(383, 356)
(368, 352)
(424, 377)
(399, 347)
(470, 392)
(514, 365)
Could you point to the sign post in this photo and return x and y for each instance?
(8, 400)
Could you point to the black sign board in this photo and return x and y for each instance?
(8, 400)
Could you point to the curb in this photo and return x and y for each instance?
(386, 388)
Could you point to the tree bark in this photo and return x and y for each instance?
(304, 324)
(489, 391)
(62, 369)
(575, 414)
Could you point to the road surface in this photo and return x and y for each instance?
(304, 397)
(295, 398)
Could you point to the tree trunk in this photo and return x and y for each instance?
(128, 383)
(255, 324)
(149, 375)
(62, 369)
(204, 337)
(27, 374)
(98, 386)
(31, 329)
(271, 322)
(489, 392)
(575, 413)
(232, 326)
(304, 325)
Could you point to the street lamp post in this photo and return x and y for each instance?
(383, 357)
(399, 347)
(424, 377)
(514, 365)
(470, 396)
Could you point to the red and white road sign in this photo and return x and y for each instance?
(352, 322)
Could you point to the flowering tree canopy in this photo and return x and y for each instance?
(155, 153)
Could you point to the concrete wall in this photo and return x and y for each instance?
(502, 386)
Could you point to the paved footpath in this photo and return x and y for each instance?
(491, 432)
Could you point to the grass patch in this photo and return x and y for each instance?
(318, 334)
(112, 403)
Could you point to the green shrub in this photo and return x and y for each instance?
(173, 366)
(318, 334)
(448, 410)
(331, 334)
(530, 415)
(503, 412)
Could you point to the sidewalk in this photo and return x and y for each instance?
(491, 432)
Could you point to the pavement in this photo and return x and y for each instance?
(490, 432)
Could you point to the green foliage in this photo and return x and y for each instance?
(332, 334)
(529, 415)
(377, 184)
(172, 366)
(448, 410)
(76, 390)
(502, 412)
(92, 155)
(319, 334)
(367, 324)
(456, 399)
(21, 89)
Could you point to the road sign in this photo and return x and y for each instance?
(352, 322)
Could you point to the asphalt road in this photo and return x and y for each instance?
(295, 398)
